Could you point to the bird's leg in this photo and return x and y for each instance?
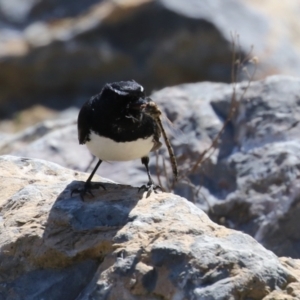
(150, 187)
(145, 162)
(87, 185)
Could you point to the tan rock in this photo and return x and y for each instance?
(121, 245)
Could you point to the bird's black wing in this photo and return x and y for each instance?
(84, 122)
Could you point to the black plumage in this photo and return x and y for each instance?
(115, 127)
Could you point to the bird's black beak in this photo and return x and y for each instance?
(137, 105)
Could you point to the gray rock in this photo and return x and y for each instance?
(250, 183)
(14, 142)
(121, 245)
(264, 161)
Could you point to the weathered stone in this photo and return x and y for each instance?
(265, 164)
(121, 245)
(15, 142)
(249, 183)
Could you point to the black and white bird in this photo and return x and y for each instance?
(114, 127)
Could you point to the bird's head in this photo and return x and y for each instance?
(126, 97)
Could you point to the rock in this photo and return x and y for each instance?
(27, 118)
(60, 54)
(250, 183)
(264, 161)
(121, 245)
(14, 142)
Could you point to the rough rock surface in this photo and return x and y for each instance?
(14, 142)
(121, 245)
(265, 162)
(61, 52)
(250, 183)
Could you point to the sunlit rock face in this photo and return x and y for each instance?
(119, 244)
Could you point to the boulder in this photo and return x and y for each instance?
(264, 160)
(121, 245)
(14, 142)
(249, 183)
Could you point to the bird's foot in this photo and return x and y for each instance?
(149, 188)
(87, 189)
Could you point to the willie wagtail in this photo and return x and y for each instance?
(115, 127)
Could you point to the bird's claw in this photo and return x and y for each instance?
(149, 188)
(87, 189)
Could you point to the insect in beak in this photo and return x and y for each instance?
(138, 105)
(135, 109)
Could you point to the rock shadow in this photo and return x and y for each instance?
(74, 225)
(78, 232)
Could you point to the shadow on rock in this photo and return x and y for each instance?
(77, 237)
(52, 243)
(75, 227)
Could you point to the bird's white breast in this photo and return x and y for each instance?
(108, 150)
